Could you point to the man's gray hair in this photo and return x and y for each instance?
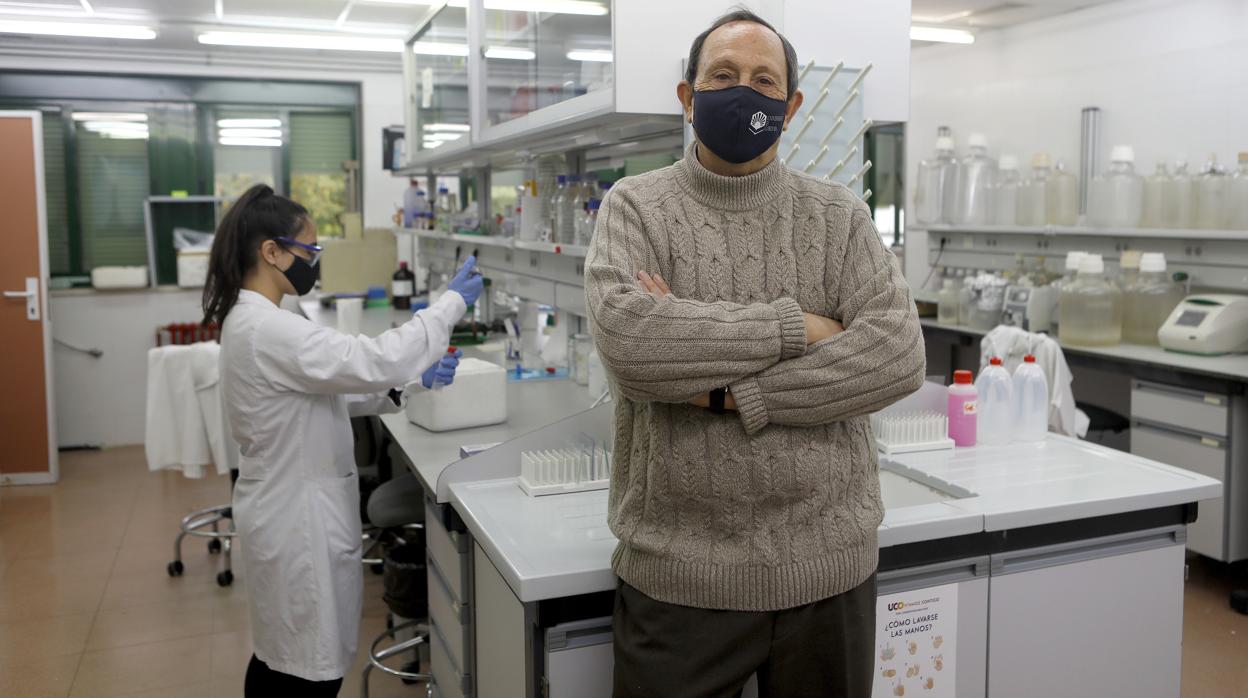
(743, 15)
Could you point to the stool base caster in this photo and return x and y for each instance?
(174, 568)
(224, 579)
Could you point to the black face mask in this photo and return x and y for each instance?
(301, 275)
(737, 123)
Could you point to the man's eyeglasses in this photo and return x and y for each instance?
(314, 251)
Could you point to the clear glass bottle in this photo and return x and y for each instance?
(1091, 307)
(1237, 198)
(1211, 196)
(1032, 204)
(976, 173)
(1180, 207)
(585, 227)
(1061, 197)
(936, 181)
(1117, 195)
(553, 204)
(947, 302)
(1005, 192)
(1152, 213)
(445, 212)
(1150, 301)
(571, 207)
(1128, 271)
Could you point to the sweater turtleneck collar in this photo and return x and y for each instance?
(729, 193)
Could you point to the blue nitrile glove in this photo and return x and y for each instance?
(443, 372)
(468, 282)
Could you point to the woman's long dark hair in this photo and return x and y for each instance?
(256, 216)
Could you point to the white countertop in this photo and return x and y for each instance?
(1234, 366)
(548, 547)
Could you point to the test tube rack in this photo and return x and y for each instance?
(910, 432)
(564, 470)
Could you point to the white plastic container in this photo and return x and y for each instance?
(1179, 210)
(1211, 186)
(476, 398)
(1117, 196)
(1148, 303)
(976, 173)
(1091, 307)
(1237, 200)
(947, 306)
(995, 388)
(1005, 192)
(1033, 204)
(1061, 197)
(193, 268)
(936, 185)
(1031, 402)
(1156, 188)
(118, 277)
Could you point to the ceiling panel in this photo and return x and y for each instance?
(991, 14)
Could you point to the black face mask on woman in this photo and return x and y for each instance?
(737, 123)
(301, 275)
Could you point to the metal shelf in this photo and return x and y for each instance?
(578, 251)
(1086, 231)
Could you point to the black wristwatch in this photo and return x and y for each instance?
(718, 396)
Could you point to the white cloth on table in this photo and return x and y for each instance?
(1011, 344)
(185, 426)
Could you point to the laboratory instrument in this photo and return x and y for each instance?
(1209, 324)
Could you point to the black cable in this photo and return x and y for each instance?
(93, 352)
(935, 264)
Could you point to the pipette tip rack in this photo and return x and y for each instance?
(562, 471)
(910, 432)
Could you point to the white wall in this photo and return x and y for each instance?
(1169, 78)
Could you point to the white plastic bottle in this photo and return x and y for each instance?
(1071, 270)
(937, 180)
(1005, 192)
(1180, 206)
(445, 211)
(1211, 196)
(1091, 308)
(1237, 197)
(1031, 402)
(1117, 195)
(975, 174)
(1156, 187)
(1033, 205)
(947, 305)
(995, 388)
(1061, 196)
(1149, 302)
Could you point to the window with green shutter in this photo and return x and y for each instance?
(320, 144)
(56, 194)
(112, 186)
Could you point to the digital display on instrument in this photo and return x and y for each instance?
(1190, 318)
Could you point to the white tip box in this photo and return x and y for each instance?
(476, 398)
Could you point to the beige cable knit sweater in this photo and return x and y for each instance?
(776, 505)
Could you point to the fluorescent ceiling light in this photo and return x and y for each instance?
(460, 128)
(86, 6)
(254, 142)
(590, 55)
(566, 7)
(108, 116)
(249, 123)
(124, 135)
(948, 36)
(511, 54)
(326, 42)
(434, 48)
(82, 29)
(433, 144)
(443, 136)
(251, 133)
(114, 126)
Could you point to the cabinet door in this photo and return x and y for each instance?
(1199, 454)
(1105, 626)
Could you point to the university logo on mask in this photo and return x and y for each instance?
(758, 122)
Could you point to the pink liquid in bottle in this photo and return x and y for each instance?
(962, 409)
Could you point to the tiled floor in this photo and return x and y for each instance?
(86, 608)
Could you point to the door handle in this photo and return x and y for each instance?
(31, 294)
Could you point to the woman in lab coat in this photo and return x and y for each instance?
(290, 387)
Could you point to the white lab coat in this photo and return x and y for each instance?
(184, 425)
(1011, 344)
(290, 386)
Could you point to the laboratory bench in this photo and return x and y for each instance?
(1063, 561)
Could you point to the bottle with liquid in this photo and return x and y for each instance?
(569, 211)
(976, 173)
(1068, 277)
(445, 211)
(1150, 301)
(966, 298)
(962, 410)
(1005, 192)
(995, 391)
(935, 185)
(1128, 271)
(585, 227)
(415, 205)
(1156, 187)
(1061, 197)
(1211, 196)
(1031, 401)
(1179, 209)
(402, 287)
(1091, 307)
(1237, 196)
(1033, 204)
(1117, 195)
(554, 206)
(947, 303)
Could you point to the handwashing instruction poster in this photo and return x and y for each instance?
(916, 643)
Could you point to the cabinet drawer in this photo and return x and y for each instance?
(1180, 407)
(450, 616)
(1200, 455)
(449, 551)
(446, 678)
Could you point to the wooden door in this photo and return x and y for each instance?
(28, 453)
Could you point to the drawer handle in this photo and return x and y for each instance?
(1213, 400)
(1211, 443)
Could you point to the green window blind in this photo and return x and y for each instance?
(112, 185)
(319, 144)
(59, 261)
